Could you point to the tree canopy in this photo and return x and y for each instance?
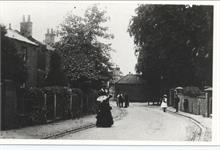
(174, 44)
(85, 56)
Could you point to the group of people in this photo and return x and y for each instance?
(122, 100)
(164, 102)
(104, 115)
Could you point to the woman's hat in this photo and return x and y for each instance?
(164, 95)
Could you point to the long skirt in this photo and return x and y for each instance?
(163, 105)
(104, 119)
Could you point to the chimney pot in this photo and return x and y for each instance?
(48, 31)
(29, 18)
(10, 26)
(51, 31)
(23, 18)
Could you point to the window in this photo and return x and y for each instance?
(25, 54)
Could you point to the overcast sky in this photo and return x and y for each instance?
(50, 14)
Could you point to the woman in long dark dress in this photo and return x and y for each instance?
(104, 116)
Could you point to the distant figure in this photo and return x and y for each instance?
(104, 116)
(164, 103)
(126, 100)
(120, 100)
(117, 100)
(186, 105)
(177, 100)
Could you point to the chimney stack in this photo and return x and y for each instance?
(23, 18)
(50, 37)
(26, 27)
(9, 26)
(29, 18)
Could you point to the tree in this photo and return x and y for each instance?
(85, 57)
(12, 65)
(56, 76)
(174, 44)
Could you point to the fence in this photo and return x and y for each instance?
(200, 105)
(38, 106)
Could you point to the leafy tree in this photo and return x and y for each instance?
(12, 65)
(174, 44)
(85, 57)
(56, 76)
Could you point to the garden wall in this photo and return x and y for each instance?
(196, 105)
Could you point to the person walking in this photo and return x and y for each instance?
(177, 100)
(126, 100)
(104, 116)
(117, 100)
(121, 99)
(164, 103)
(185, 105)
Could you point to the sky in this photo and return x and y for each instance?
(51, 14)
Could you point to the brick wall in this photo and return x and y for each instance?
(31, 60)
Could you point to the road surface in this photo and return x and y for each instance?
(143, 122)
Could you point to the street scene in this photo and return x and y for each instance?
(143, 120)
(106, 71)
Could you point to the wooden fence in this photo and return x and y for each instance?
(201, 105)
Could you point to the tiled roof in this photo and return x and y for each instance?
(48, 47)
(16, 35)
(131, 79)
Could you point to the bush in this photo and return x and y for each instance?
(192, 91)
(39, 115)
(39, 112)
(56, 90)
(35, 94)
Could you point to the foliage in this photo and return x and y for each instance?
(56, 90)
(85, 57)
(35, 98)
(12, 65)
(174, 45)
(34, 93)
(192, 91)
(39, 115)
(56, 76)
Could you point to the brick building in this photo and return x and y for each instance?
(37, 59)
(133, 86)
(35, 53)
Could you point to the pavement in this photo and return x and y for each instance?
(57, 128)
(204, 122)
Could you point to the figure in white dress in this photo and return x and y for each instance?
(164, 103)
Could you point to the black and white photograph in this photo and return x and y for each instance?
(107, 71)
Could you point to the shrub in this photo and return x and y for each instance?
(39, 115)
(39, 112)
(192, 91)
